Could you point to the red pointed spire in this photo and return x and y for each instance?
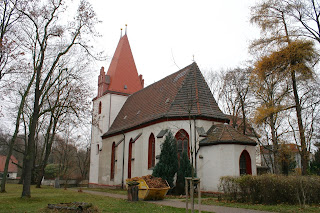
(122, 71)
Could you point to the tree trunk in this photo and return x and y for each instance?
(14, 137)
(243, 115)
(47, 152)
(303, 151)
(275, 146)
(31, 138)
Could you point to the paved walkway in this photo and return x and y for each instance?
(180, 204)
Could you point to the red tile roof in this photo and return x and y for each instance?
(122, 71)
(12, 167)
(176, 96)
(225, 134)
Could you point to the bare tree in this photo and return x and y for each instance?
(49, 40)
(305, 13)
(66, 100)
(235, 94)
(8, 45)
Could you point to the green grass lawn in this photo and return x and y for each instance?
(40, 198)
(272, 208)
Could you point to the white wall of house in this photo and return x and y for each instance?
(111, 105)
(221, 160)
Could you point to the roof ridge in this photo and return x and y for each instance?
(228, 129)
(221, 134)
(208, 98)
(197, 90)
(182, 84)
(181, 70)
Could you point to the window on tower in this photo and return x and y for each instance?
(100, 106)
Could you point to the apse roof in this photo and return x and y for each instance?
(225, 134)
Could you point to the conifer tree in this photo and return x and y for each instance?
(167, 166)
(185, 170)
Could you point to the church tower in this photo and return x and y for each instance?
(121, 80)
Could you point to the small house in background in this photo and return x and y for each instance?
(13, 168)
(290, 151)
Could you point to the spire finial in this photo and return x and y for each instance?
(120, 32)
(193, 58)
(126, 30)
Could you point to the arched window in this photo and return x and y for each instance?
(151, 152)
(100, 106)
(182, 138)
(245, 163)
(129, 158)
(113, 160)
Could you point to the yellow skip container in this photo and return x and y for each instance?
(146, 193)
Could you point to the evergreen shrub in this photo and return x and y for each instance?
(185, 170)
(272, 189)
(167, 166)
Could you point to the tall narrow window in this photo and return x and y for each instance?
(245, 163)
(129, 158)
(182, 138)
(98, 149)
(100, 106)
(113, 160)
(151, 152)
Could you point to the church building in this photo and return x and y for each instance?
(130, 123)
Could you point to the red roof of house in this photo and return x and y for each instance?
(177, 96)
(122, 71)
(12, 167)
(225, 134)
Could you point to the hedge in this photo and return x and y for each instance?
(272, 189)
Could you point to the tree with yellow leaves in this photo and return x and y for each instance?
(290, 57)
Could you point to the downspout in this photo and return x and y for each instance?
(195, 145)
(124, 143)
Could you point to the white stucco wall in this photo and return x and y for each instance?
(139, 166)
(221, 160)
(217, 161)
(111, 105)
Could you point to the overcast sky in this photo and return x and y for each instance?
(167, 34)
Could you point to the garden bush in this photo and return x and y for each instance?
(272, 189)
